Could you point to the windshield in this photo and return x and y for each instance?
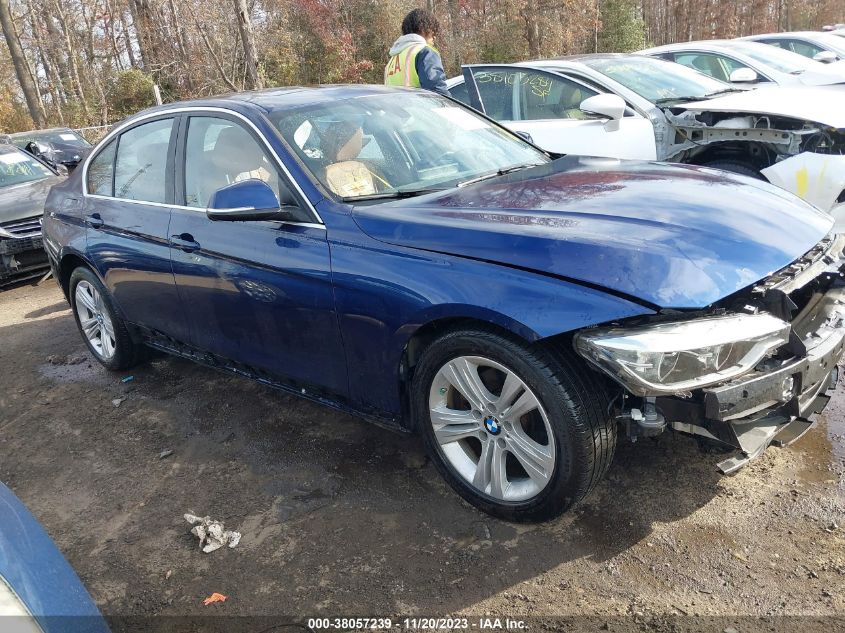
(777, 58)
(17, 167)
(398, 144)
(657, 80)
(63, 137)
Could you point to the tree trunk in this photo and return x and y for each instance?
(248, 42)
(455, 32)
(21, 66)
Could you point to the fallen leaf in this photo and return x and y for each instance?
(215, 597)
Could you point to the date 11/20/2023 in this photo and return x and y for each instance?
(419, 624)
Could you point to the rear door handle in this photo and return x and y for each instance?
(184, 242)
(94, 221)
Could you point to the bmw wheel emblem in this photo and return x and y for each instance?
(492, 425)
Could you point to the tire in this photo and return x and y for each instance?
(106, 335)
(736, 168)
(573, 434)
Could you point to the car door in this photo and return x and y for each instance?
(128, 193)
(546, 107)
(257, 293)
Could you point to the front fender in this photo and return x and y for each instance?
(818, 178)
(385, 295)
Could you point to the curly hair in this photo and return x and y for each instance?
(421, 22)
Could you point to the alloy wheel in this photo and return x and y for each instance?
(492, 428)
(94, 320)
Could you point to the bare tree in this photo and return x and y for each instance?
(28, 88)
(248, 41)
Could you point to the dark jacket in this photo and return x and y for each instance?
(430, 69)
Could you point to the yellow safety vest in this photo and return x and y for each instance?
(401, 70)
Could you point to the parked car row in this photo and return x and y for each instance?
(790, 132)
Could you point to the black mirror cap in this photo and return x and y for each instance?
(250, 215)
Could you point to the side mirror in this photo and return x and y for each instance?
(251, 199)
(62, 170)
(743, 76)
(524, 135)
(606, 106)
(826, 57)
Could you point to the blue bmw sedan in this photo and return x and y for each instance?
(394, 254)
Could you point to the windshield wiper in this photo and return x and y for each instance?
(724, 91)
(390, 195)
(500, 172)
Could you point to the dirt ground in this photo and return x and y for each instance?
(343, 518)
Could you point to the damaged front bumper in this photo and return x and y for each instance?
(776, 402)
(779, 405)
(21, 259)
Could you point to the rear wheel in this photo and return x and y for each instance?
(521, 433)
(102, 329)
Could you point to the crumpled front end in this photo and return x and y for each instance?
(22, 254)
(777, 399)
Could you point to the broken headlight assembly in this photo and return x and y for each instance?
(676, 357)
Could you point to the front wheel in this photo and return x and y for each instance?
(520, 432)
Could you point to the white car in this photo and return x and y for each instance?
(750, 64)
(637, 107)
(822, 47)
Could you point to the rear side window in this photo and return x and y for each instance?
(141, 165)
(101, 171)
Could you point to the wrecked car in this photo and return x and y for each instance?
(56, 146)
(631, 106)
(393, 254)
(25, 182)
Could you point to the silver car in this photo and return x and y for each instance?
(750, 64)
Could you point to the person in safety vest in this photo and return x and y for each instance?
(414, 62)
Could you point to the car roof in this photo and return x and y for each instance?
(44, 131)
(277, 99)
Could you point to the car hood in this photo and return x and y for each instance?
(26, 200)
(666, 235)
(818, 104)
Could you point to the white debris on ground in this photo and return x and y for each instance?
(212, 534)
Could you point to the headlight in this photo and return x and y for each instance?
(10, 605)
(673, 357)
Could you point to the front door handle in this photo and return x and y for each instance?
(184, 242)
(94, 221)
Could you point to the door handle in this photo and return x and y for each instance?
(94, 221)
(184, 242)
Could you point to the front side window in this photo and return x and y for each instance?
(495, 87)
(141, 166)
(544, 96)
(18, 167)
(804, 48)
(101, 171)
(712, 65)
(398, 144)
(220, 152)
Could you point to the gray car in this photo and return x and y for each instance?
(25, 182)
